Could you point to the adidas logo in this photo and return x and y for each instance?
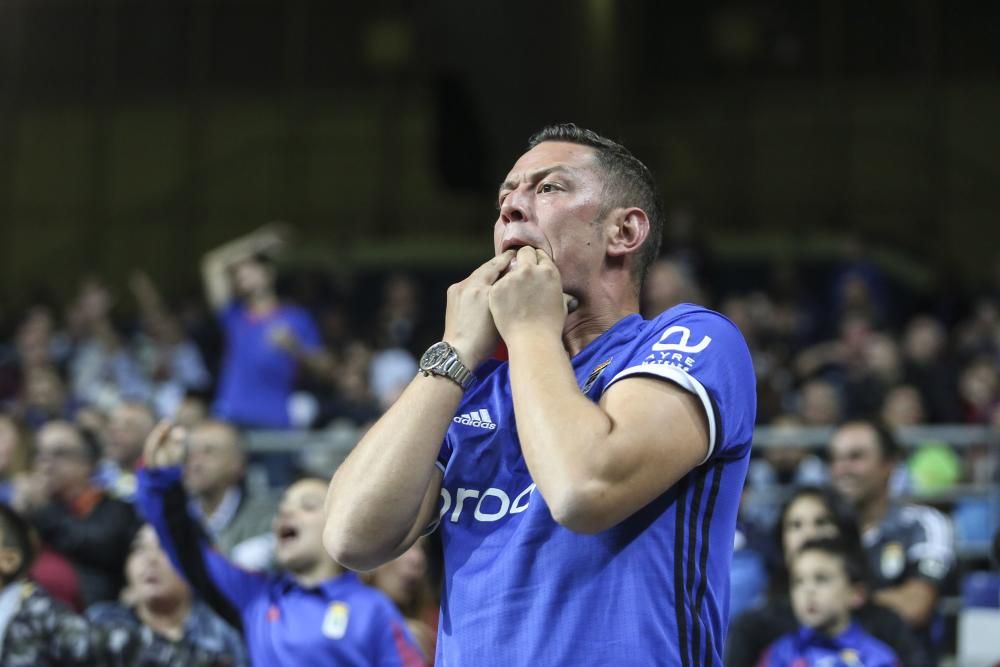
(477, 418)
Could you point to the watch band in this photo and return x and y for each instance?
(442, 359)
(455, 370)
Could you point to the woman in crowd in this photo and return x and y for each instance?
(189, 632)
(811, 512)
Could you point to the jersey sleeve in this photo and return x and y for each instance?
(704, 353)
(931, 552)
(224, 586)
(394, 645)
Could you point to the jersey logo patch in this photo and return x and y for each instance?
(477, 419)
(594, 374)
(335, 621)
(681, 345)
(893, 560)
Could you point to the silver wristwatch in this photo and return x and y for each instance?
(442, 359)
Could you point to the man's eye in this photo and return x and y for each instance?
(547, 187)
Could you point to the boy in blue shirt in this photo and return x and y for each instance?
(312, 612)
(826, 586)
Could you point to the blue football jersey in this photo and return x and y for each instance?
(519, 589)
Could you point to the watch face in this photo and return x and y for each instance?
(434, 355)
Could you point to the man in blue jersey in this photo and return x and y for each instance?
(309, 612)
(587, 489)
(266, 340)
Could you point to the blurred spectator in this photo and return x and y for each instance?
(36, 343)
(171, 361)
(192, 410)
(827, 586)
(267, 341)
(902, 406)
(15, 456)
(238, 521)
(928, 367)
(780, 469)
(44, 397)
(979, 334)
(129, 425)
(405, 580)
(399, 322)
(102, 369)
(35, 630)
(668, 283)
(819, 403)
(909, 547)
(311, 612)
(82, 526)
(811, 513)
(38, 631)
(979, 389)
(831, 357)
(389, 373)
(189, 633)
(353, 398)
(869, 376)
(860, 287)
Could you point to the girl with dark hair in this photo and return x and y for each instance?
(810, 513)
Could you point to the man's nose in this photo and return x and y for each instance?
(514, 207)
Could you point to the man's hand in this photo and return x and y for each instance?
(529, 299)
(282, 336)
(165, 446)
(468, 323)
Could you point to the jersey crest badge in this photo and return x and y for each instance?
(335, 621)
(893, 560)
(594, 374)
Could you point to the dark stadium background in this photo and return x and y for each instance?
(143, 132)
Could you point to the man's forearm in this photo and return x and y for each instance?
(913, 600)
(555, 422)
(375, 498)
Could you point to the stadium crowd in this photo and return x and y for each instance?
(93, 528)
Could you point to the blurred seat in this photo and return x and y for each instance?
(981, 589)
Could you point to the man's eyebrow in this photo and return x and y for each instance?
(536, 176)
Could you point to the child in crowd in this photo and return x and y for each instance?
(311, 612)
(826, 588)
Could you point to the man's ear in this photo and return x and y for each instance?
(10, 561)
(628, 230)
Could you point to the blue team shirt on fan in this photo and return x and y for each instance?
(257, 377)
(519, 589)
(339, 621)
(807, 648)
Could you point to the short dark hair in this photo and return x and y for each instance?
(629, 183)
(17, 535)
(887, 443)
(857, 573)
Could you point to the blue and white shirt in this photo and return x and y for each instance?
(520, 589)
(807, 648)
(341, 621)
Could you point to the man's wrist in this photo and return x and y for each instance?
(526, 337)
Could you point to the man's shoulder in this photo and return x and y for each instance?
(913, 520)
